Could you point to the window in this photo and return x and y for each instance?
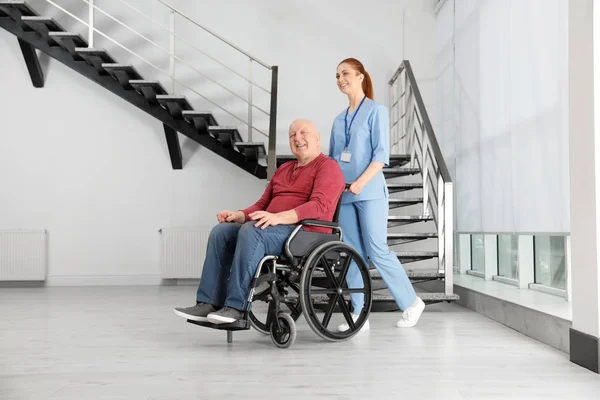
(550, 261)
(508, 256)
(477, 253)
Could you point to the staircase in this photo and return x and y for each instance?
(420, 221)
(175, 112)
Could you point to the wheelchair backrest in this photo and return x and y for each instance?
(336, 215)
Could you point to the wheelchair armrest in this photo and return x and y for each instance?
(316, 222)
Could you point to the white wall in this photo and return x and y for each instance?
(584, 142)
(307, 39)
(503, 113)
(95, 172)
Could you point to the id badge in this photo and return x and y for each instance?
(346, 156)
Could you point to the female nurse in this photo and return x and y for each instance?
(360, 140)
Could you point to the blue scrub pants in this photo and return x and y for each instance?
(364, 225)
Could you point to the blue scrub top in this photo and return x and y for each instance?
(369, 141)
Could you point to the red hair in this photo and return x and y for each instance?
(367, 85)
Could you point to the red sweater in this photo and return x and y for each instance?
(312, 191)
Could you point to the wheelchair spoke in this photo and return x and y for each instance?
(355, 290)
(324, 291)
(345, 269)
(330, 307)
(346, 312)
(329, 273)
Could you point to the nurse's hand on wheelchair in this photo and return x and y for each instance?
(355, 187)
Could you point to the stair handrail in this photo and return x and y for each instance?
(412, 133)
(126, 4)
(215, 34)
(172, 55)
(272, 113)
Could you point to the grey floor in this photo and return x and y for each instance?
(125, 343)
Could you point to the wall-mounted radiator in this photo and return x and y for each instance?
(23, 255)
(182, 252)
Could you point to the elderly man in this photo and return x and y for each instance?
(307, 188)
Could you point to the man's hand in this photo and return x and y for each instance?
(356, 187)
(231, 216)
(265, 219)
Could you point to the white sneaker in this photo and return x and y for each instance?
(344, 327)
(411, 315)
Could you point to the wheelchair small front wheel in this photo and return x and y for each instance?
(286, 335)
(258, 320)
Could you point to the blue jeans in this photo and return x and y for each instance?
(232, 257)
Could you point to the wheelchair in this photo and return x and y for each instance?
(309, 279)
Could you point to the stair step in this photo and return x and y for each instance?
(397, 220)
(175, 104)
(416, 275)
(113, 68)
(95, 57)
(427, 297)
(88, 51)
(123, 73)
(425, 275)
(138, 84)
(16, 9)
(227, 135)
(172, 98)
(62, 38)
(400, 171)
(409, 201)
(149, 89)
(252, 151)
(406, 257)
(223, 128)
(399, 238)
(396, 160)
(386, 303)
(411, 235)
(192, 117)
(43, 25)
(403, 187)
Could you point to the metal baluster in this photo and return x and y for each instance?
(91, 24)
(397, 138)
(391, 117)
(448, 238)
(440, 223)
(172, 50)
(402, 109)
(425, 174)
(250, 101)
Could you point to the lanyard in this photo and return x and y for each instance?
(346, 127)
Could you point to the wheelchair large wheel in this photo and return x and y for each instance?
(258, 320)
(324, 287)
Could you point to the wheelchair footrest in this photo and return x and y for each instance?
(239, 325)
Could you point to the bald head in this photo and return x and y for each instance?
(300, 124)
(305, 141)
